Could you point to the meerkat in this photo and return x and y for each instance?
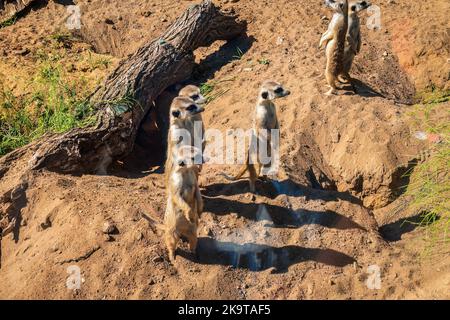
(194, 93)
(182, 116)
(265, 119)
(184, 203)
(334, 41)
(353, 45)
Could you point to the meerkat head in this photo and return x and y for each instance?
(187, 157)
(336, 5)
(271, 90)
(184, 108)
(358, 6)
(192, 92)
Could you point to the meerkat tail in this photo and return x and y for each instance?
(241, 172)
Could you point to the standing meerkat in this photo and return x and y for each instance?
(194, 93)
(353, 45)
(334, 41)
(264, 121)
(184, 202)
(183, 112)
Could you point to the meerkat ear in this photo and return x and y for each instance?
(176, 113)
(265, 95)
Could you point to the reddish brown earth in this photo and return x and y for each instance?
(312, 232)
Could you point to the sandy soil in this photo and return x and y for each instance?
(312, 233)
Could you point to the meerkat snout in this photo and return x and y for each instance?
(184, 107)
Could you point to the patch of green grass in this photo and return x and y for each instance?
(429, 188)
(239, 54)
(8, 22)
(97, 61)
(53, 105)
(210, 92)
(62, 37)
(264, 61)
(433, 96)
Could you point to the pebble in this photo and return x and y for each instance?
(109, 227)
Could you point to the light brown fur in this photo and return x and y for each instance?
(334, 41)
(182, 116)
(353, 45)
(265, 120)
(193, 92)
(184, 205)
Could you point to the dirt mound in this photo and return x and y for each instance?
(311, 232)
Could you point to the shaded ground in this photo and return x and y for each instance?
(309, 234)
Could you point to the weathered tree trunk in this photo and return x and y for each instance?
(129, 91)
(9, 8)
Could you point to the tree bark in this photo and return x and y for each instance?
(10, 8)
(129, 91)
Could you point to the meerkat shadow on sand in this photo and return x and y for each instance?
(260, 257)
(362, 89)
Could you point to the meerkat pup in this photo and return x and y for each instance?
(353, 45)
(265, 120)
(183, 113)
(184, 201)
(334, 41)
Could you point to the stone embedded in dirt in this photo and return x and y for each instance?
(139, 236)
(146, 13)
(22, 52)
(109, 21)
(109, 228)
(157, 259)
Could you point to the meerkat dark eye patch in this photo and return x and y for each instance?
(176, 113)
(354, 8)
(265, 95)
(191, 108)
(181, 164)
(279, 90)
(363, 3)
(195, 97)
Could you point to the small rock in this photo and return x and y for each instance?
(22, 52)
(109, 21)
(139, 236)
(157, 259)
(109, 228)
(385, 54)
(279, 41)
(146, 13)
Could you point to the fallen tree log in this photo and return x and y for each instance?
(10, 8)
(127, 94)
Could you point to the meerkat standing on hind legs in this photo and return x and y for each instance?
(194, 93)
(184, 201)
(265, 120)
(183, 112)
(334, 41)
(353, 46)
